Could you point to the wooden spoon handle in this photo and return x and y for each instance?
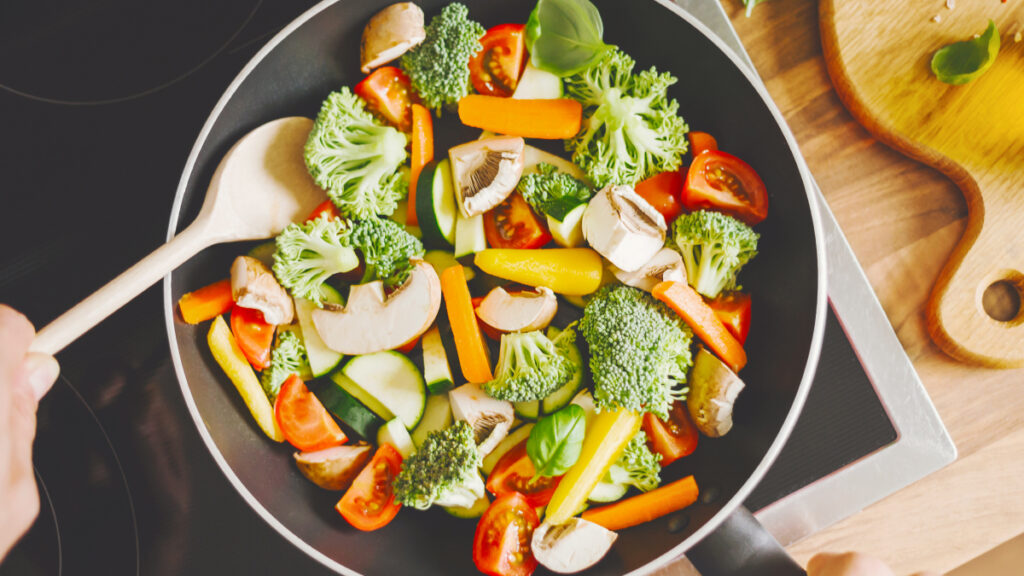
(119, 291)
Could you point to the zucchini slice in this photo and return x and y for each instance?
(343, 406)
(322, 360)
(435, 204)
(388, 383)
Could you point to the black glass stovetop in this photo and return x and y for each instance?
(100, 103)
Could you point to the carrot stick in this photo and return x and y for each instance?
(422, 154)
(645, 507)
(706, 325)
(207, 302)
(553, 119)
(474, 358)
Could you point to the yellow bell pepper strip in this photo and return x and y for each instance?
(569, 271)
(227, 353)
(607, 434)
(474, 357)
(207, 302)
(645, 507)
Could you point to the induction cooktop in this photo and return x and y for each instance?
(100, 103)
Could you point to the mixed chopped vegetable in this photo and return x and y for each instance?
(565, 372)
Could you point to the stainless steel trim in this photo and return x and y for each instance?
(922, 446)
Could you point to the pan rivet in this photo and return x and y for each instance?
(710, 495)
(678, 522)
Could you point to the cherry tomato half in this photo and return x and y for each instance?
(514, 473)
(674, 438)
(253, 334)
(701, 142)
(369, 503)
(723, 182)
(662, 192)
(501, 546)
(326, 207)
(304, 421)
(388, 94)
(514, 224)
(495, 69)
(733, 309)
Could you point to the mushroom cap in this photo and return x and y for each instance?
(713, 391)
(623, 227)
(254, 286)
(520, 311)
(666, 265)
(572, 546)
(390, 33)
(486, 171)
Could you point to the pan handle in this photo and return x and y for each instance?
(740, 546)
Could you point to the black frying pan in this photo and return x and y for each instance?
(319, 53)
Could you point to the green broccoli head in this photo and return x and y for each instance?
(552, 192)
(637, 466)
(639, 350)
(439, 67)
(356, 159)
(386, 248)
(714, 247)
(631, 128)
(442, 471)
(308, 254)
(288, 357)
(531, 366)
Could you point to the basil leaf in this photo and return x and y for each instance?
(565, 36)
(961, 62)
(555, 442)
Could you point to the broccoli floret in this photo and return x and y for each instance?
(714, 248)
(639, 350)
(442, 471)
(552, 192)
(531, 366)
(637, 465)
(386, 248)
(288, 357)
(631, 129)
(356, 159)
(308, 254)
(439, 67)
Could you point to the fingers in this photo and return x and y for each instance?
(16, 334)
(41, 371)
(847, 564)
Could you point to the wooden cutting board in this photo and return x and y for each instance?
(878, 54)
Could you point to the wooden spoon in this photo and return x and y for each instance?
(259, 187)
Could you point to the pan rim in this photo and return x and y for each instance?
(673, 554)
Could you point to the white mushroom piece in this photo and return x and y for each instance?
(372, 322)
(520, 311)
(390, 33)
(623, 227)
(666, 265)
(713, 391)
(334, 468)
(253, 286)
(572, 546)
(486, 171)
(490, 418)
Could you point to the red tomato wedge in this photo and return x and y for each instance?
(369, 503)
(514, 224)
(495, 69)
(514, 472)
(733, 309)
(388, 94)
(303, 420)
(701, 142)
(254, 335)
(501, 546)
(662, 191)
(720, 181)
(328, 208)
(674, 438)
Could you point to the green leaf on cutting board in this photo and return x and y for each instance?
(962, 62)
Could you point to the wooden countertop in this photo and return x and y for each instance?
(902, 219)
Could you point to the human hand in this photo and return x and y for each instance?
(24, 379)
(850, 564)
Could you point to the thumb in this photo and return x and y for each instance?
(41, 372)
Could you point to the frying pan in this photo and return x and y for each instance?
(318, 53)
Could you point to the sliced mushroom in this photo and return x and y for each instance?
(334, 468)
(572, 546)
(372, 322)
(253, 286)
(491, 419)
(666, 265)
(486, 171)
(390, 33)
(519, 311)
(713, 390)
(623, 227)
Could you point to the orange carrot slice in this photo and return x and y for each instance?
(474, 357)
(554, 119)
(206, 303)
(422, 154)
(701, 317)
(645, 507)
